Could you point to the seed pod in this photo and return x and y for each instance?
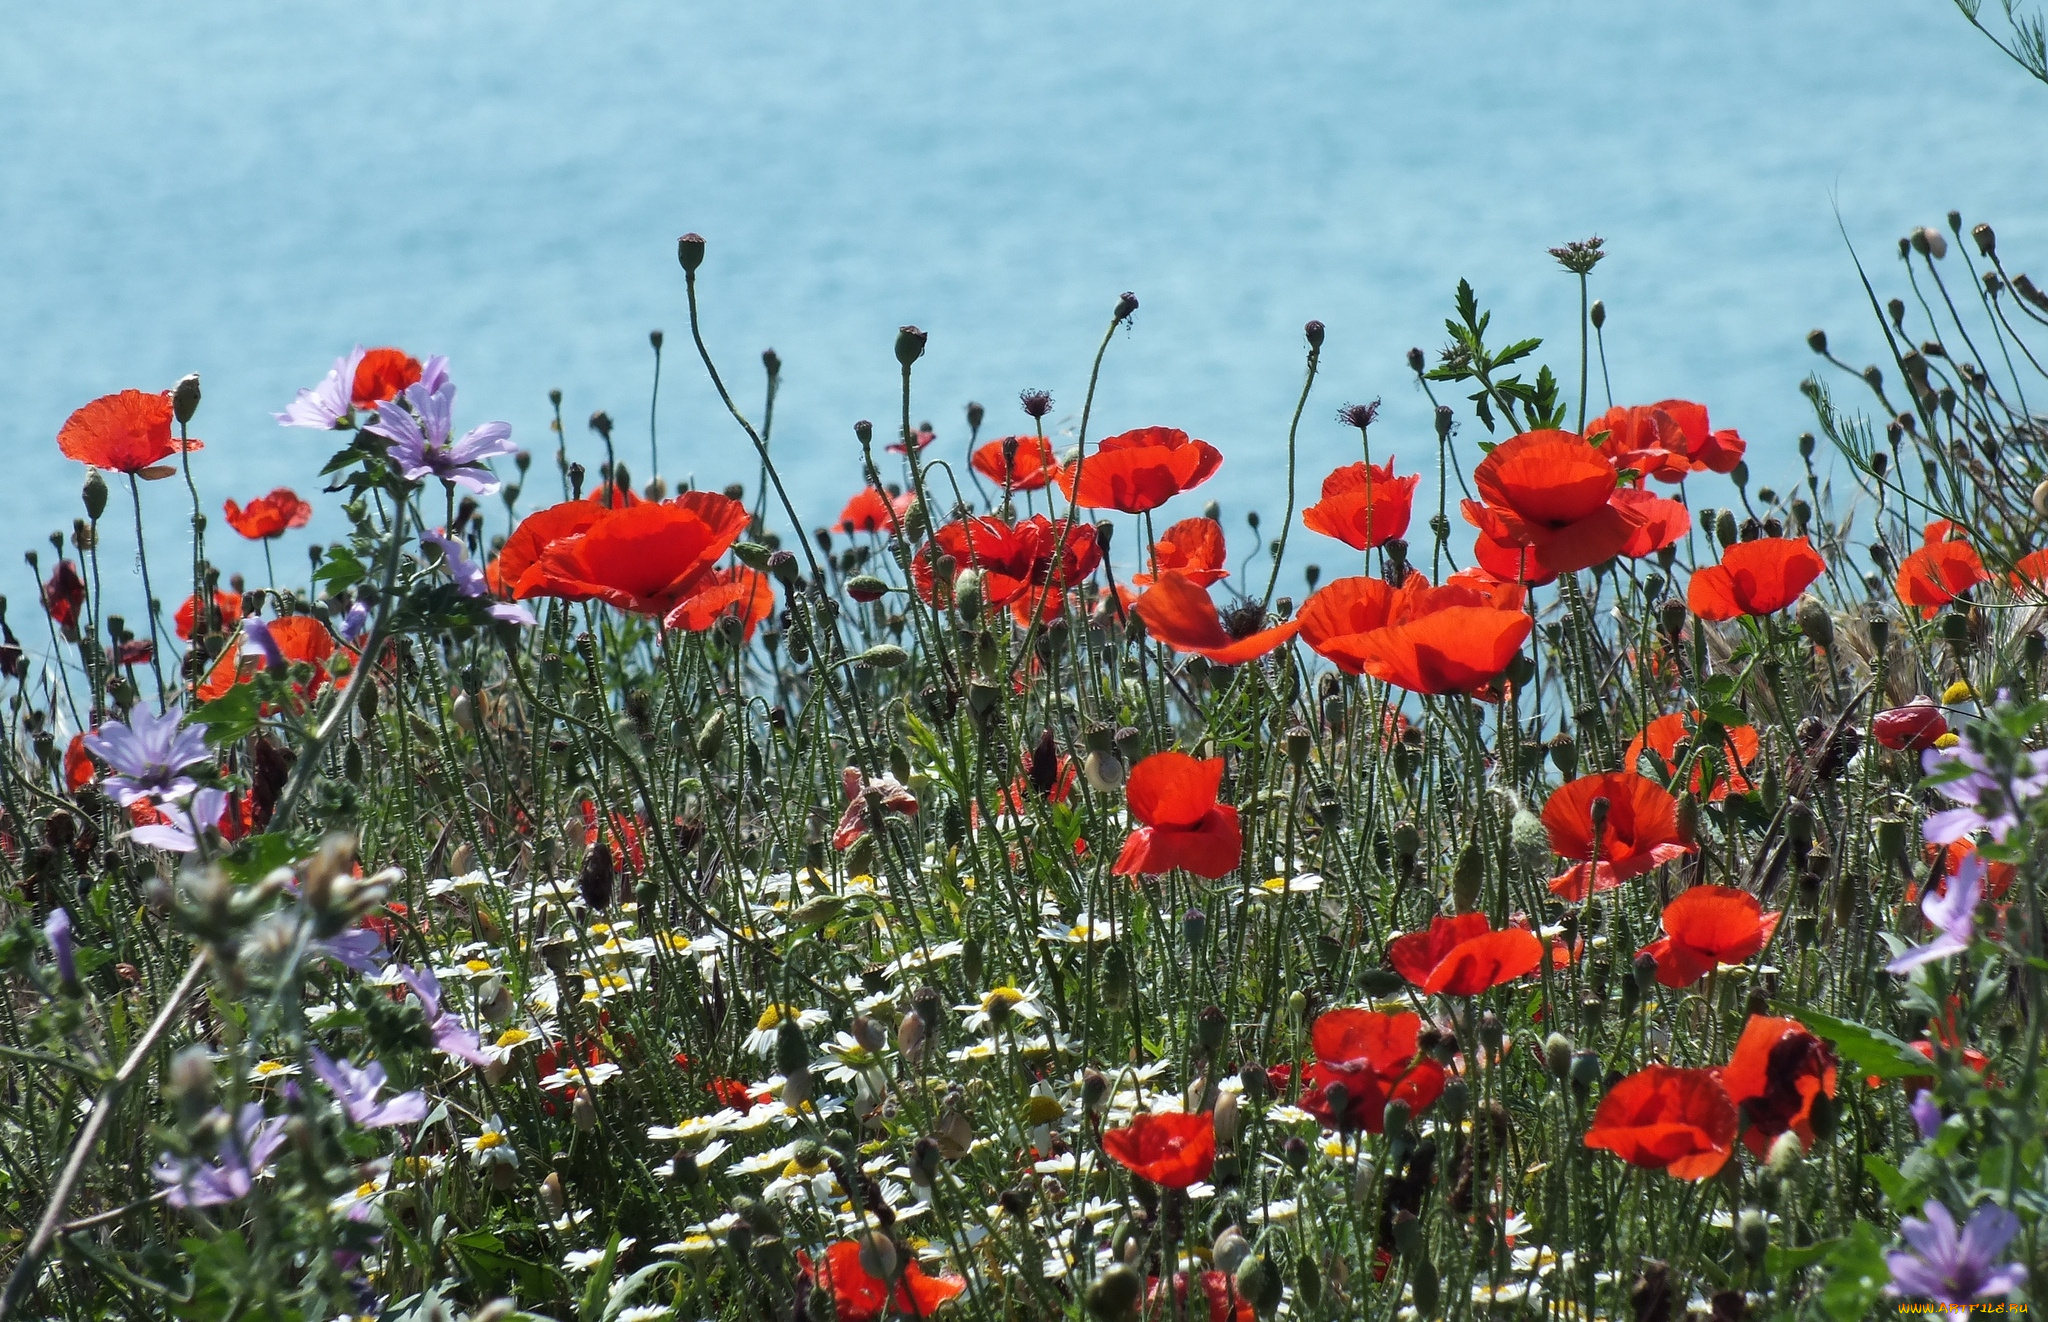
(597, 875)
(1557, 1054)
(1816, 622)
(1114, 1295)
(1466, 879)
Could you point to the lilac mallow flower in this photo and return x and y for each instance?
(1954, 915)
(179, 831)
(469, 579)
(1988, 804)
(1926, 1114)
(359, 948)
(329, 404)
(420, 445)
(257, 640)
(357, 1089)
(1956, 1269)
(355, 625)
(450, 1034)
(149, 756)
(57, 930)
(232, 1173)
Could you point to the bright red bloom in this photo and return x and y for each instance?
(1032, 468)
(1217, 1289)
(1715, 451)
(269, 516)
(1944, 568)
(860, 1297)
(645, 559)
(1374, 1057)
(1174, 1150)
(1140, 470)
(1512, 564)
(735, 1093)
(1662, 737)
(2030, 574)
(535, 533)
(298, 637)
(1754, 578)
(871, 511)
(1664, 522)
(854, 820)
(229, 604)
(1464, 956)
(1706, 927)
(1424, 639)
(381, 374)
(79, 770)
(1011, 557)
(1192, 548)
(743, 593)
(1500, 593)
(129, 432)
(1664, 1118)
(621, 835)
(1363, 505)
(1180, 615)
(1973, 1060)
(1640, 832)
(1647, 438)
(1778, 1070)
(1551, 491)
(64, 596)
(1916, 725)
(1183, 826)
(1338, 617)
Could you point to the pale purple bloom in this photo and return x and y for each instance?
(355, 625)
(57, 930)
(179, 831)
(257, 640)
(149, 755)
(358, 948)
(357, 1089)
(450, 1034)
(329, 404)
(232, 1173)
(469, 579)
(1926, 1114)
(1956, 1269)
(1988, 804)
(1954, 915)
(419, 436)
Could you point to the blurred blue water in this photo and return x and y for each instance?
(245, 189)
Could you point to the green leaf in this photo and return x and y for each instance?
(1870, 1050)
(1727, 713)
(233, 715)
(257, 856)
(1780, 1260)
(1887, 1176)
(1859, 1276)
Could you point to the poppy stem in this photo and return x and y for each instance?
(1584, 357)
(148, 596)
(1315, 354)
(654, 403)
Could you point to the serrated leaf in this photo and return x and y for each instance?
(1872, 1051)
(232, 716)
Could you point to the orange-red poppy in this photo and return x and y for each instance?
(1551, 491)
(1778, 1070)
(79, 770)
(381, 374)
(742, 593)
(1339, 616)
(1754, 578)
(1180, 615)
(1031, 469)
(1706, 927)
(1139, 470)
(1464, 956)
(645, 559)
(1012, 557)
(1664, 1118)
(1173, 796)
(1715, 451)
(1664, 521)
(535, 533)
(859, 1296)
(1973, 1060)
(2030, 574)
(871, 511)
(1500, 593)
(1641, 831)
(1944, 568)
(1365, 1059)
(1454, 642)
(229, 604)
(1662, 737)
(64, 597)
(1192, 548)
(1947, 860)
(269, 516)
(1914, 726)
(1174, 1150)
(298, 637)
(1646, 438)
(1363, 505)
(127, 432)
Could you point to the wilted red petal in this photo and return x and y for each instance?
(1778, 1069)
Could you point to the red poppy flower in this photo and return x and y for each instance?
(1363, 505)
(1011, 557)
(1140, 470)
(1662, 737)
(1706, 927)
(1454, 642)
(1031, 469)
(1973, 1060)
(2030, 574)
(298, 637)
(745, 594)
(1949, 858)
(1513, 564)
(129, 432)
(381, 374)
(1174, 1150)
(858, 1296)
(1640, 832)
(924, 436)
(871, 511)
(1944, 568)
(1180, 615)
(1551, 491)
(1715, 451)
(1217, 1289)
(1339, 616)
(1778, 1070)
(1373, 1057)
(1754, 578)
(853, 822)
(269, 516)
(1192, 548)
(64, 596)
(229, 604)
(1914, 726)
(1664, 1118)
(645, 559)
(1647, 438)
(79, 770)
(1500, 593)
(535, 533)
(1183, 826)
(621, 835)
(735, 1094)
(1664, 522)
(1464, 956)
(134, 652)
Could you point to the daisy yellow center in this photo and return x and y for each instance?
(478, 966)
(1003, 996)
(490, 1138)
(773, 1016)
(1955, 692)
(1275, 883)
(269, 1067)
(796, 1168)
(366, 1188)
(1949, 740)
(512, 1037)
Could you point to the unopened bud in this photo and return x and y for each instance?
(690, 252)
(910, 343)
(185, 398)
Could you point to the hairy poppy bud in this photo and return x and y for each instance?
(1557, 1054)
(792, 1052)
(1314, 331)
(1598, 313)
(865, 588)
(1816, 622)
(1753, 1233)
(1466, 879)
(95, 494)
(690, 252)
(910, 343)
(1114, 1295)
(185, 397)
(783, 565)
(1194, 929)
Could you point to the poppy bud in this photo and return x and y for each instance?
(95, 494)
(792, 1052)
(1724, 528)
(910, 1034)
(865, 588)
(1114, 1295)
(878, 1255)
(1753, 1233)
(690, 252)
(582, 1113)
(1416, 361)
(1314, 331)
(1194, 928)
(1226, 1118)
(1557, 1054)
(185, 397)
(1466, 879)
(1209, 1028)
(1891, 838)
(1490, 1034)
(1816, 622)
(1987, 242)
(1564, 755)
(1444, 419)
(1585, 1069)
(1399, 1112)
(1126, 305)
(909, 345)
(1817, 340)
(783, 565)
(1598, 313)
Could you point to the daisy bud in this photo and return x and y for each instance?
(690, 252)
(185, 397)
(96, 494)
